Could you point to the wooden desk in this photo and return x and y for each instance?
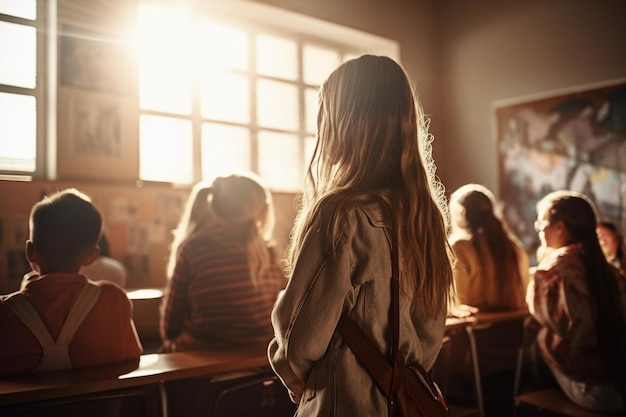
(458, 323)
(493, 317)
(150, 369)
(146, 313)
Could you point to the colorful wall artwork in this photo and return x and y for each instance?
(573, 140)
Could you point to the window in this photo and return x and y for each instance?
(218, 94)
(21, 87)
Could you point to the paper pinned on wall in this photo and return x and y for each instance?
(20, 232)
(158, 231)
(122, 210)
(138, 239)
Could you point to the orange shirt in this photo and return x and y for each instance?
(106, 335)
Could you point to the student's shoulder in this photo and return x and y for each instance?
(110, 290)
(461, 242)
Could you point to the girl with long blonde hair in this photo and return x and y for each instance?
(372, 158)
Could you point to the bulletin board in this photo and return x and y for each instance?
(574, 140)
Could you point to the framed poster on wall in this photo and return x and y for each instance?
(574, 140)
(97, 107)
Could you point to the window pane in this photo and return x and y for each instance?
(311, 107)
(165, 149)
(18, 132)
(280, 163)
(226, 97)
(26, 9)
(309, 147)
(277, 57)
(18, 55)
(350, 55)
(277, 105)
(165, 70)
(318, 63)
(224, 149)
(222, 46)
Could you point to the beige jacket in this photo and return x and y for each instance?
(312, 360)
(475, 278)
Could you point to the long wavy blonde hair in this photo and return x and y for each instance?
(238, 199)
(373, 143)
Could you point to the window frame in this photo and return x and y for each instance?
(255, 19)
(43, 138)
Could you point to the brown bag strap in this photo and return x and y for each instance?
(366, 353)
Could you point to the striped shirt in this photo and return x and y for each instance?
(211, 296)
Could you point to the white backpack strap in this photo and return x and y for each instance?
(88, 297)
(55, 355)
(27, 313)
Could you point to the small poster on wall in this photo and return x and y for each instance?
(97, 107)
(574, 140)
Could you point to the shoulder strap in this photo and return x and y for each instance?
(27, 313)
(22, 308)
(55, 354)
(87, 298)
(366, 353)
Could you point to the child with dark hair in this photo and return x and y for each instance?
(105, 266)
(612, 244)
(60, 319)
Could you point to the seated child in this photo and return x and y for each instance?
(60, 319)
(105, 266)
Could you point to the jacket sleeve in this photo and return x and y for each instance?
(306, 314)
(547, 301)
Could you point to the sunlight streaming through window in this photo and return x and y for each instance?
(18, 130)
(165, 59)
(318, 63)
(270, 47)
(18, 55)
(279, 164)
(311, 107)
(277, 105)
(26, 9)
(165, 147)
(245, 98)
(222, 46)
(226, 96)
(224, 148)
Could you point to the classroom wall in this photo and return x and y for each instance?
(462, 56)
(137, 219)
(495, 50)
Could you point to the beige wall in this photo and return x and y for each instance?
(138, 221)
(504, 49)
